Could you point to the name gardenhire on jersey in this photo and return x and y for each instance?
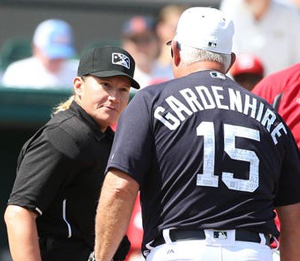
(202, 98)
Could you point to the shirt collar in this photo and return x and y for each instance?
(82, 114)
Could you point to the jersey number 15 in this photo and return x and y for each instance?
(208, 179)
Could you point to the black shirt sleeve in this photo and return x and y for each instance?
(44, 168)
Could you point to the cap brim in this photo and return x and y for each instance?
(59, 52)
(134, 83)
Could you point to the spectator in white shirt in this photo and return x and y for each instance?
(269, 29)
(52, 64)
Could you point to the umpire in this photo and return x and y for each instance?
(52, 206)
(211, 160)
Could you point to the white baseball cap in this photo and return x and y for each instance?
(205, 28)
(55, 38)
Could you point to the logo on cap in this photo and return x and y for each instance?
(121, 59)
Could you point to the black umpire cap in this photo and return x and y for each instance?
(106, 62)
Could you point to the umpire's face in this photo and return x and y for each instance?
(104, 99)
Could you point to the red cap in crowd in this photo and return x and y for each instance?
(247, 63)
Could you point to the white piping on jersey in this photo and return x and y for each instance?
(262, 239)
(149, 248)
(39, 211)
(65, 218)
(166, 235)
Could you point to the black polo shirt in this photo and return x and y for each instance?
(60, 172)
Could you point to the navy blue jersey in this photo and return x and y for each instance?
(207, 154)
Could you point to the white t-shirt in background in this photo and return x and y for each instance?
(275, 39)
(29, 72)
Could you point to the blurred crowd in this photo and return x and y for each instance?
(266, 40)
(54, 60)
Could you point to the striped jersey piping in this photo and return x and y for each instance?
(39, 211)
(65, 218)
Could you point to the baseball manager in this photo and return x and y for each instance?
(211, 160)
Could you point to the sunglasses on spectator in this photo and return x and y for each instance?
(142, 39)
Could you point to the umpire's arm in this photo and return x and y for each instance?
(22, 234)
(289, 217)
(114, 210)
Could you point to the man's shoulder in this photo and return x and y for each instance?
(280, 78)
(177, 84)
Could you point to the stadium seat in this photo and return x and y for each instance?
(13, 50)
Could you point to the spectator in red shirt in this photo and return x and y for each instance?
(247, 70)
(282, 90)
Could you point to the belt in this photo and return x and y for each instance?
(240, 235)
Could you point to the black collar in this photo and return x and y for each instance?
(76, 109)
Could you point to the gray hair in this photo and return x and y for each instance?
(190, 55)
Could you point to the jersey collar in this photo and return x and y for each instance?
(81, 113)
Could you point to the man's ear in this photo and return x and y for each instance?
(176, 53)
(233, 58)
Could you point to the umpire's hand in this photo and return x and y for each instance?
(121, 253)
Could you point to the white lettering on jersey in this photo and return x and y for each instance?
(191, 99)
(178, 107)
(204, 98)
(260, 112)
(276, 132)
(219, 97)
(235, 100)
(170, 121)
(250, 105)
(268, 119)
(208, 177)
